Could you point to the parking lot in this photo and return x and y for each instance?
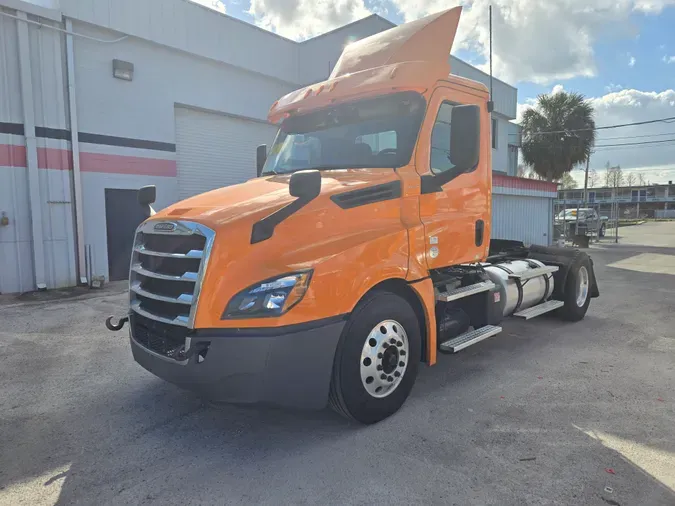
(545, 413)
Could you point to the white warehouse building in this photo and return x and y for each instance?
(101, 97)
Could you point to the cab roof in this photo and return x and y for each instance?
(411, 56)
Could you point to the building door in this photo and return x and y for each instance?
(214, 150)
(123, 214)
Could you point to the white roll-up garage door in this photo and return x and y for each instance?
(522, 218)
(214, 150)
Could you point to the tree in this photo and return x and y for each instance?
(558, 134)
(641, 179)
(593, 178)
(613, 176)
(631, 179)
(567, 181)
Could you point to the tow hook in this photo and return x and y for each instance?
(200, 349)
(120, 323)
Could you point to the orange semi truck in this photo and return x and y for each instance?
(360, 250)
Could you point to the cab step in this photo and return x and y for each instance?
(465, 291)
(533, 273)
(468, 338)
(540, 309)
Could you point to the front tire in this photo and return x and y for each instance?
(577, 295)
(377, 359)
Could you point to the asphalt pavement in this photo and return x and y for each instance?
(546, 413)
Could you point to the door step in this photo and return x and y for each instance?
(468, 338)
(533, 273)
(539, 309)
(465, 291)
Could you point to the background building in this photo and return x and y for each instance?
(101, 97)
(650, 201)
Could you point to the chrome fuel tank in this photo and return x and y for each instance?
(520, 294)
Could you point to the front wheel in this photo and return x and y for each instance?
(377, 359)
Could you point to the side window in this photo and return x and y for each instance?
(440, 141)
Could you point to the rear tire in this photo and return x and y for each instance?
(353, 385)
(577, 295)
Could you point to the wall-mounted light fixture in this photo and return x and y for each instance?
(123, 70)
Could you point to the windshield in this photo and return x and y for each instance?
(571, 213)
(375, 132)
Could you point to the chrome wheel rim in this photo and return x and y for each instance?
(582, 286)
(384, 358)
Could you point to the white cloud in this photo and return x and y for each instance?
(652, 6)
(611, 87)
(534, 40)
(632, 61)
(539, 40)
(631, 106)
(218, 5)
(668, 59)
(301, 19)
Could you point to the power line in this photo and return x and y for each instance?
(635, 136)
(601, 171)
(636, 123)
(633, 143)
(635, 147)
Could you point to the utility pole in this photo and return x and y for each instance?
(588, 162)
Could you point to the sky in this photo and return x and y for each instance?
(620, 54)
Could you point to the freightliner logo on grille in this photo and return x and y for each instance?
(165, 227)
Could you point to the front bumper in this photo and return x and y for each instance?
(287, 366)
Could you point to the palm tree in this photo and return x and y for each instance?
(558, 134)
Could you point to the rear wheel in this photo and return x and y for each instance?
(577, 295)
(377, 358)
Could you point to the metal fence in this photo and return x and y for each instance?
(577, 225)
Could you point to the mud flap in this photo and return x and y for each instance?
(563, 258)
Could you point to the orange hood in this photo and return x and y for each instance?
(250, 201)
(321, 236)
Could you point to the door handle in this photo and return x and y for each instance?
(479, 232)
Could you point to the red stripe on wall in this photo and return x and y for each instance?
(12, 156)
(523, 183)
(61, 159)
(132, 165)
(53, 158)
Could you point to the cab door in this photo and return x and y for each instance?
(455, 202)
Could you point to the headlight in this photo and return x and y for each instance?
(272, 297)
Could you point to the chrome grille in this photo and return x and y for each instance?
(167, 267)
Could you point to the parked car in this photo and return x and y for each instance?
(582, 221)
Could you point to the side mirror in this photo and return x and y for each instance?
(306, 184)
(260, 158)
(465, 137)
(147, 195)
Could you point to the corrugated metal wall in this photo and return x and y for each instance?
(55, 203)
(522, 218)
(193, 28)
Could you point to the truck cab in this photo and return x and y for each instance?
(361, 250)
